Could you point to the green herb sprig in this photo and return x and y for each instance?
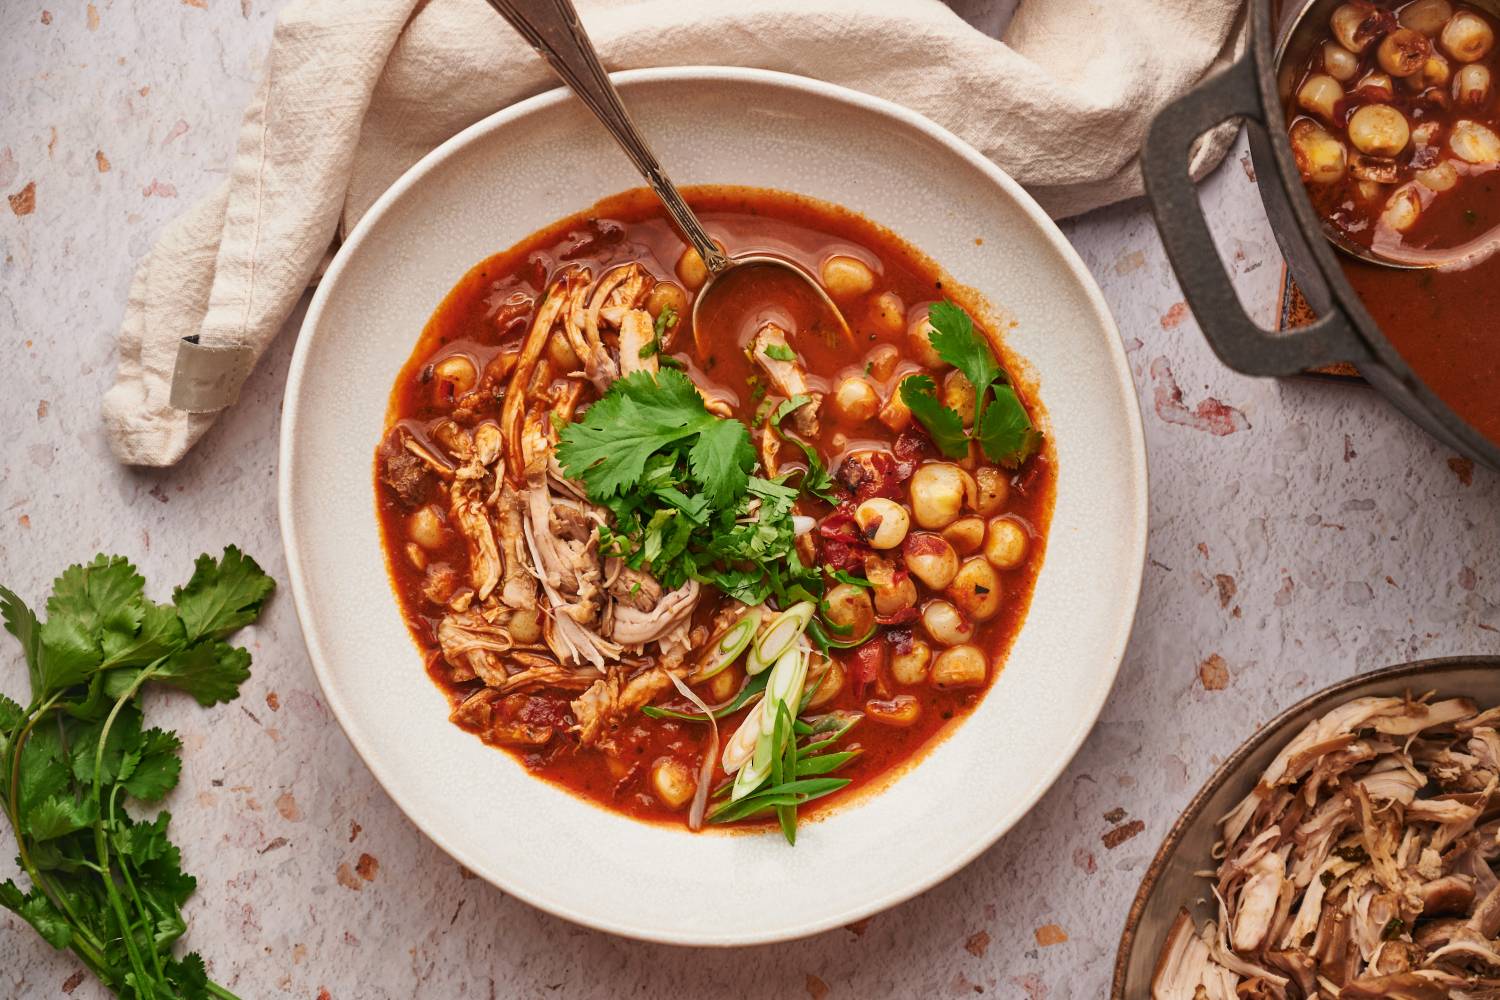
(104, 884)
(678, 483)
(815, 481)
(798, 770)
(665, 321)
(1002, 426)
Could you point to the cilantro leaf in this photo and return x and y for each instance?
(105, 599)
(779, 352)
(222, 595)
(955, 341)
(154, 855)
(844, 576)
(59, 815)
(210, 671)
(816, 481)
(124, 733)
(786, 408)
(155, 766)
(189, 976)
(1001, 425)
(639, 415)
(721, 460)
(21, 622)
(69, 654)
(161, 631)
(40, 781)
(944, 425)
(11, 716)
(114, 884)
(38, 911)
(107, 595)
(1005, 432)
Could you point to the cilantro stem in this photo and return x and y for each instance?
(13, 802)
(135, 896)
(144, 985)
(83, 944)
(220, 991)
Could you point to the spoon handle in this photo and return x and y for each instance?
(552, 28)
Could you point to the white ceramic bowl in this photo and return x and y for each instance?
(545, 158)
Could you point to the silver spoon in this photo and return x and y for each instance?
(552, 28)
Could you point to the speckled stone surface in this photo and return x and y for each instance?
(1301, 532)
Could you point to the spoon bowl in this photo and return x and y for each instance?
(734, 302)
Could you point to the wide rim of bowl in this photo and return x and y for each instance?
(1229, 771)
(899, 889)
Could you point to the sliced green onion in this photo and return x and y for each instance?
(706, 768)
(783, 689)
(733, 641)
(790, 793)
(741, 746)
(835, 724)
(823, 763)
(748, 692)
(758, 767)
(784, 686)
(779, 636)
(817, 630)
(786, 815)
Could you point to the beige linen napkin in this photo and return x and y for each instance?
(356, 91)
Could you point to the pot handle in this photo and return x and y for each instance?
(1239, 341)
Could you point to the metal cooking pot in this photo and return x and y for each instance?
(1345, 330)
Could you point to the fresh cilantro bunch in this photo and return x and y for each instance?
(1001, 424)
(105, 884)
(678, 482)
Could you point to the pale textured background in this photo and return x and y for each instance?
(1321, 537)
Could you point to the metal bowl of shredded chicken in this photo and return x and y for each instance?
(1348, 849)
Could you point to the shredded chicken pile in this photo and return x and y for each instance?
(541, 606)
(1360, 866)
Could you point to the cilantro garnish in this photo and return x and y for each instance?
(944, 425)
(105, 884)
(645, 414)
(665, 320)
(677, 481)
(815, 481)
(779, 352)
(844, 576)
(1002, 427)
